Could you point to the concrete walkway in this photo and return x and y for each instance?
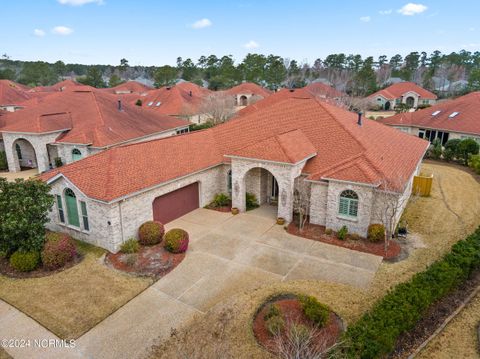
(25, 174)
(227, 254)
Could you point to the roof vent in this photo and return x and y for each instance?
(190, 93)
(359, 121)
(292, 90)
(453, 114)
(119, 105)
(436, 113)
(169, 87)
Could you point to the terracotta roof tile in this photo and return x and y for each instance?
(249, 88)
(397, 90)
(12, 93)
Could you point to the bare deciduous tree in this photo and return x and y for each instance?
(389, 204)
(218, 107)
(301, 201)
(355, 104)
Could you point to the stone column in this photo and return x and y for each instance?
(12, 160)
(42, 157)
(238, 192)
(285, 199)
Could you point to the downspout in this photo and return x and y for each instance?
(121, 220)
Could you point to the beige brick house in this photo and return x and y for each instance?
(346, 163)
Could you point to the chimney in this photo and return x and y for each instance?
(119, 105)
(359, 122)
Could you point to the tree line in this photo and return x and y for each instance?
(446, 74)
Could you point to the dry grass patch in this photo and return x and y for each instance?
(4, 354)
(459, 338)
(452, 211)
(71, 302)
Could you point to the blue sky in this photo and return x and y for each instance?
(149, 32)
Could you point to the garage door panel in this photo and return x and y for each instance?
(175, 204)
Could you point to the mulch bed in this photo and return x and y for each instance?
(220, 209)
(293, 313)
(149, 261)
(8, 271)
(433, 318)
(317, 233)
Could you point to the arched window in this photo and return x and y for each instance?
(19, 151)
(229, 182)
(76, 154)
(72, 208)
(348, 203)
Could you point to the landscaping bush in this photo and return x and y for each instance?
(176, 240)
(150, 233)
(342, 233)
(272, 311)
(467, 148)
(474, 163)
(24, 261)
(221, 200)
(328, 231)
(451, 149)
(355, 237)
(275, 324)
(375, 334)
(3, 161)
(317, 312)
(251, 201)
(130, 246)
(376, 232)
(59, 249)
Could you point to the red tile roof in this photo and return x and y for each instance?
(399, 89)
(182, 99)
(467, 119)
(249, 88)
(369, 154)
(60, 86)
(12, 93)
(129, 87)
(92, 117)
(323, 90)
(274, 98)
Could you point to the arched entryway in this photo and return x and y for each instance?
(387, 106)
(24, 154)
(243, 100)
(410, 101)
(262, 184)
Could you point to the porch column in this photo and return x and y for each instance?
(42, 157)
(12, 160)
(285, 200)
(238, 192)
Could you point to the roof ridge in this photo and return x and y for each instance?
(97, 107)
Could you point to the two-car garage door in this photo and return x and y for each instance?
(175, 204)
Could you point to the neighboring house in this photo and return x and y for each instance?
(247, 93)
(12, 95)
(70, 125)
(347, 165)
(322, 90)
(182, 100)
(58, 87)
(129, 87)
(459, 118)
(408, 93)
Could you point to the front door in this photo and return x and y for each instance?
(273, 191)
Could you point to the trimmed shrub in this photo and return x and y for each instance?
(376, 232)
(59, 249)
(466, 148)
(24, 261)
(474, 163)
(130, 246)
(342, 233)
(317, 312)
(375, 334)
(251, 201)
(176, 240)
(221, 200)
(275, 324)
(272, 311)
(328, 231)
(355, 237)
(150, 233)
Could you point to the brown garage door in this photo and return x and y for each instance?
(175, 204)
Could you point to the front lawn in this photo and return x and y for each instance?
(71, 302)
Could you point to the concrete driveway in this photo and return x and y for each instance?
(226, 254)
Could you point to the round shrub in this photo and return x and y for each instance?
(176, 240)
(150, 233)
(376, 232)
(130, 246)
(58, 250)
(317, 312)
(24, 261)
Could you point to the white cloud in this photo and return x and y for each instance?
(79, 2)
(412, 9)
(385, 12)
(201, 24)
(39, 32)
(251, 45)
(62, 30)
(365, 18)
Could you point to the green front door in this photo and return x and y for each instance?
(72, 209)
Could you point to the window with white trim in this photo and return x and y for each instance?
(348, 204)
(83, 207)
(61, 213)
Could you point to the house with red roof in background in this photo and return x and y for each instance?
(68, 125)
(347, 165)
(12, 95)
(453, 119)
(408, 93)
(247, 93)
